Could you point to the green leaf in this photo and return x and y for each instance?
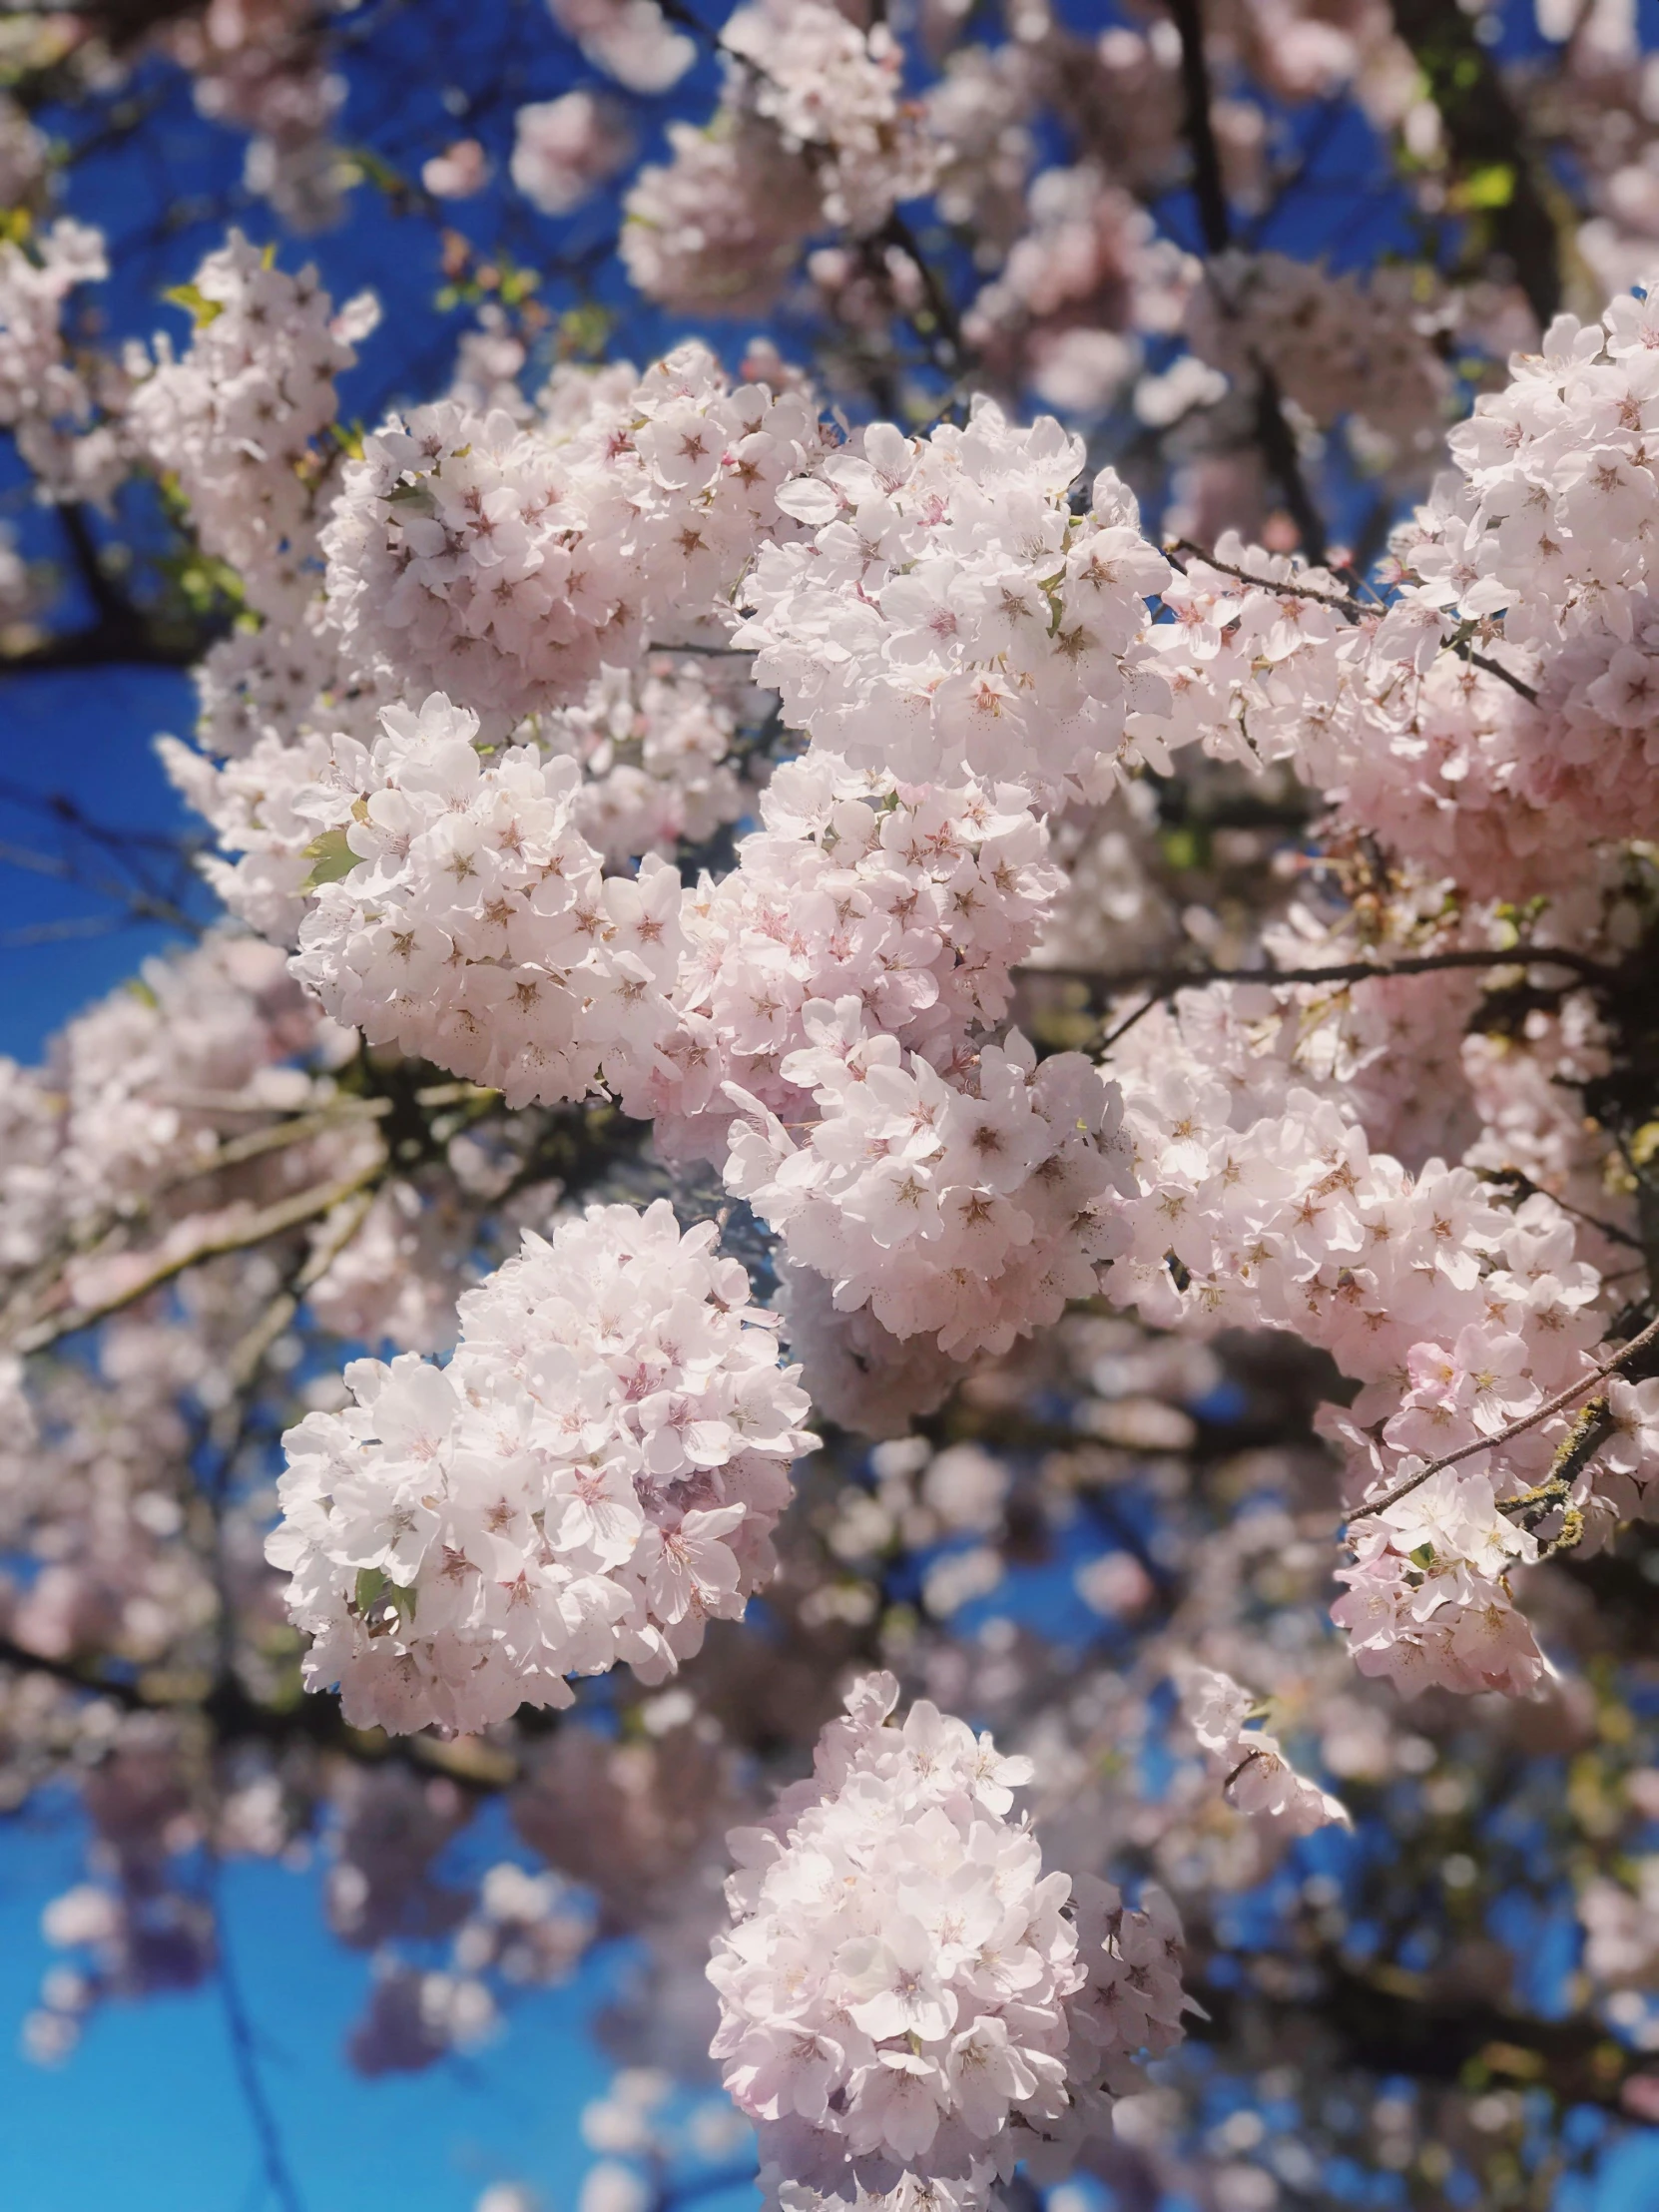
(202, 310)
(330, 857)
(376, 1587)
(371, 1582)
(1492, 187)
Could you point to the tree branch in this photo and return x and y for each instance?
(1557, 1404)
(1166, 982)
(271, 1220)
(1272, 430)
(1483, 133)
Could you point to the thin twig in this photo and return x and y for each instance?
(1165, 982)
(278, 2175)
(1519, 1180)
(125, 1694)
(1557, 1404)
(273, 1221)
(1274, 433)
(1354, 610)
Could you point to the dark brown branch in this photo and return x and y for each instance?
(1556, 1404)
(130, 643)
(1483, 133)
(1273, 428)
(1165, 982)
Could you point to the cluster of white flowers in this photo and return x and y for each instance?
(261, 66)
(1549, 525)
(835, 94)
(950, 610)
(1065, 313)
(980, 112)
(904, 1991)
(505, 563)
(719, 225)
(594, 1477)
(914, 900)
(121, 1114)
(1260, 1202)
(1269, 660)
(237, 417)
(46, 397)
(1334, 345)
(564, 149)
(630, 39)
(654, 746)
(1258, 1778)
(968, 1212)
(252, 804)
(468, 920)
(858, 1374)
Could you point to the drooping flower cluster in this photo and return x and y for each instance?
(505, 563)
(834, 94)
(237, 417)
(46, 397)
(593, 1477)
(630, 39)
(1064, 314)
(564, 149)
(905, 1991)
(950, 610)
(718, 227)
(653, 746)
(466, 918)
(970, 1212)
(1261, 1203)
(1334, 345)
(261, 66)
(915, 901)
(1257, 1777)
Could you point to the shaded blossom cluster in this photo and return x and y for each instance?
(593, 1477)
(905, 1991)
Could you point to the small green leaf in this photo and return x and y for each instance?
(376, 1587)
(1490, 186)
(201, 308)
(371, 1582)
(330, 857)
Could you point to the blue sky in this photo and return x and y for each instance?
(145, 2116)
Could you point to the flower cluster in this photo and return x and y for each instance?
(564, 149)
(654, 746)
(904, 1991)
(630, 39)
(237, 417)
(1258, 1778)
(717, 226)
(467, 919)
(1334, 345)
(505, 563)
(834, 94)
(950, 610)
(1260, 1202)
(46, 397)
(1064, 314)
(970, 1212)
(593, 1477)
(915, 901)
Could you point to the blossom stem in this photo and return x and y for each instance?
(1557, 1404)
(1165, 982)
(253, 1228)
